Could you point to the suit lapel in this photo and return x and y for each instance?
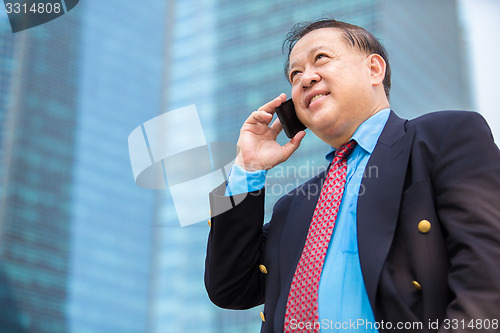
(379, 199)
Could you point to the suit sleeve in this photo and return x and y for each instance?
(466, 178)
(235, 246)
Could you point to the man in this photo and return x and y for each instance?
(416, 250)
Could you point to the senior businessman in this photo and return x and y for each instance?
(416, 250)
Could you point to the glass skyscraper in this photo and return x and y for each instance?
(428, 56)
(75, 231)
(39, 98)
(120, 87)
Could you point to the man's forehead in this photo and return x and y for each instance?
(307, 51)
(324, 38)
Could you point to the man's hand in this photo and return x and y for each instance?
(257, 146)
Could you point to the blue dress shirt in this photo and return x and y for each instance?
(343, 303)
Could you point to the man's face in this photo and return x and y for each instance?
(331, 87)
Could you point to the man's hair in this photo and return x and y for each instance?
(354, 35)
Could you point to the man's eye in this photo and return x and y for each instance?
(320, 55)
(292, 75)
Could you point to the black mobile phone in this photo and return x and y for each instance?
(288, 119)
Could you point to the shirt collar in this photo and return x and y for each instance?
(367, 134)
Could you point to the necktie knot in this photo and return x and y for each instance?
(345, 150)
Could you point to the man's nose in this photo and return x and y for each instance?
(309, 78)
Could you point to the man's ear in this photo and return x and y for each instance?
(377, 68)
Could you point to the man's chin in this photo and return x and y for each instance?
(318, 122)
(321, 131)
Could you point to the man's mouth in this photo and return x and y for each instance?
(315, 97)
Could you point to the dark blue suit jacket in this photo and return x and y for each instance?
(442, 167)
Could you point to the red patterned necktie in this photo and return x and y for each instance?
(302, 306)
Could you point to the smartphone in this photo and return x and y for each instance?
(288, 119)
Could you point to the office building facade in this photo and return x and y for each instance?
(39, 97)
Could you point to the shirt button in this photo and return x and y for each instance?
(424, 226)
(263, 269)
(262, 317)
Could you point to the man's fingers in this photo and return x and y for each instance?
(259, 117)
(291, 146)
(265, 113)
(272, 105)
(277, 126)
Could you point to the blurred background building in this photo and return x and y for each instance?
(82, 248)
(39, 92)
(75, 231)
